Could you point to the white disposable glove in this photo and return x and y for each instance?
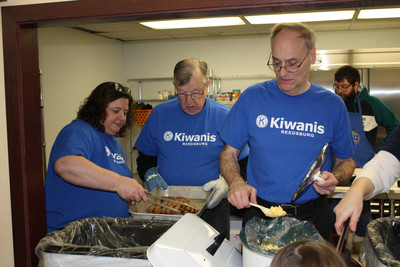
(221, 188)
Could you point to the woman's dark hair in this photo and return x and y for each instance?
(307, 254)
(93, 109)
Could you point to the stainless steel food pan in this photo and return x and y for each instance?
(198, 199)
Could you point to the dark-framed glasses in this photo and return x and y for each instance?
(290, 67)
(194, 95)
(338, 87)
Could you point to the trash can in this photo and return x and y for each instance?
(261, 238)
(100, 242)
(381, 246)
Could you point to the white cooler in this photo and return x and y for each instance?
(67, 260)
(192, 242)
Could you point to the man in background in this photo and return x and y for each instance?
(366, 113)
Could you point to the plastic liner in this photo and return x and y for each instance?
(261, 235)
(381, 247)
(110, 237)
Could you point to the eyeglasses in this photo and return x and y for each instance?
(337, 87)
(289, 67)
(194, 95)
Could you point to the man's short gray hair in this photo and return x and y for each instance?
(184, 69)
(305, 32)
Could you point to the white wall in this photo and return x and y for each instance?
(226, 56)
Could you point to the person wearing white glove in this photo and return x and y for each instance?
(181, 137)
(221, 188)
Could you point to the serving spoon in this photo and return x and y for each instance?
(267, 212)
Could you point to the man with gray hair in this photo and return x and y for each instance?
(286, 122)
(179, 144)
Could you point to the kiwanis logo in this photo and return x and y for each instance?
(117, 158)
(356, 137)
(290, 127)
(168, 135)
(190, 139)
(262, 121)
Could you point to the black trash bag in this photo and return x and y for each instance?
(109, 237)
(268, 236)
(381, 247)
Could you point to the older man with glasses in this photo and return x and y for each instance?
(286, 122)
(366, 114)
(179, 144)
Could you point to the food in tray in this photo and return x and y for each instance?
(182, 208)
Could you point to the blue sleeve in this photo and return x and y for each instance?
(392, 144)
(234, 129)
(72, 141)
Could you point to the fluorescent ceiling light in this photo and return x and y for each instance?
(379, 13)
(193, 23)
(300, 17)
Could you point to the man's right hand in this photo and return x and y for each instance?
(241, 193)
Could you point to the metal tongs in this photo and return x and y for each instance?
(164, 206)
(308, 179)
(343, 237)
(169, 200)
(343, 247)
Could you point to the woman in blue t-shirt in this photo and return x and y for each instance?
(87, 174)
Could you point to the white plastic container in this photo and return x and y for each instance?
(67, 260)
(185, 244)
(252, 258)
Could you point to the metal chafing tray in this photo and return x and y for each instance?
(198, 199)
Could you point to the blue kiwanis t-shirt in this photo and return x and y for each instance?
(187, 146)
(285, 134)
(66, 202)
